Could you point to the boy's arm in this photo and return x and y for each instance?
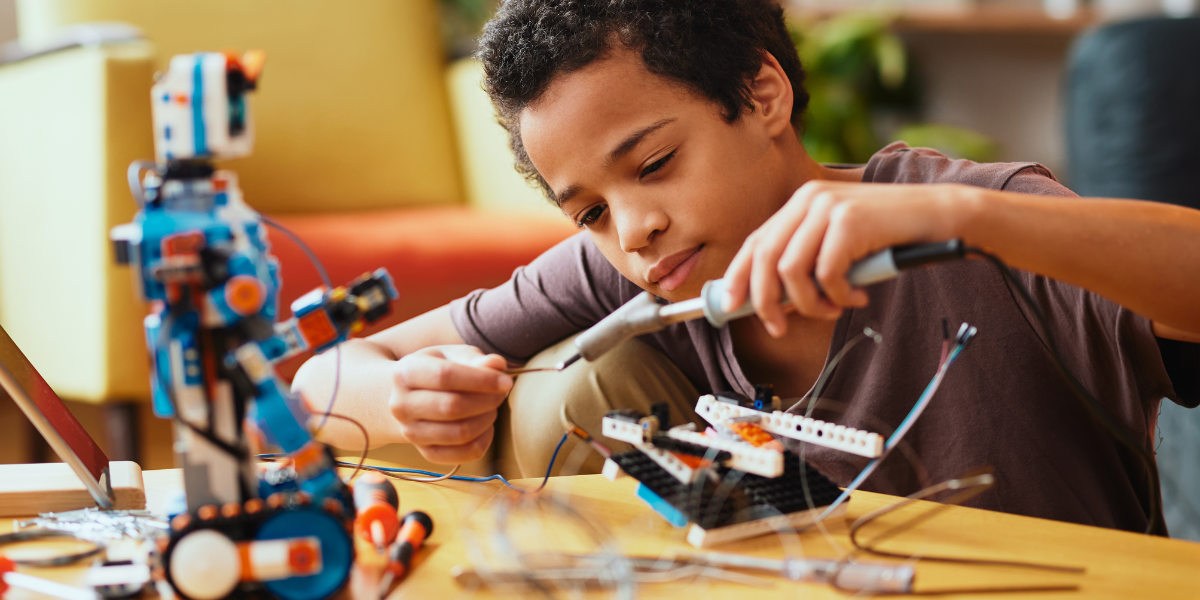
(1142, 255)
(414, 382)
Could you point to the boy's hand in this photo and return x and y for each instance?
(445, 399)
(824, 228)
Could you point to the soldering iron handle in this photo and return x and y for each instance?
(881, 266)
(634, 318)
(905, 257)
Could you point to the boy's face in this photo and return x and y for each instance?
(666, 187)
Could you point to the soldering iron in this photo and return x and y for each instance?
(643, 314)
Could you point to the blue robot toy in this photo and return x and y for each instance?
(200, 256)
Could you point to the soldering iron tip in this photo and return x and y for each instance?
(566, 363)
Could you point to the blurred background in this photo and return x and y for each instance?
(375, 142)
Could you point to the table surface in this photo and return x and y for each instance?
(1118, 564)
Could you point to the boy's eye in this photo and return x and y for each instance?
(658, 164)
(591, 215)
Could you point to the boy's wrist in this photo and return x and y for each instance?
(968, 211)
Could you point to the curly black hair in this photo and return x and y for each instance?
(712, 46)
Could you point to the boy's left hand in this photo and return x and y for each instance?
(823, 229)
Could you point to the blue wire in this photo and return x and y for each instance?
(892, 441)
(496, 477)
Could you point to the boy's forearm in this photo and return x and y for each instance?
(366, 381)
(1142, 255)
(364, 387)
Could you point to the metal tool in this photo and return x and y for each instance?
(857, 577)
(558, 367)
(590, 570)
(643, 314)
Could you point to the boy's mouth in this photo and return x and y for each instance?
(670, 272)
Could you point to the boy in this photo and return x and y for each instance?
(669, 132)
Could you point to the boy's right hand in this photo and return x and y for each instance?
(445, 400)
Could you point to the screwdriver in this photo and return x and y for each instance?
(416, 528)
(377, 502)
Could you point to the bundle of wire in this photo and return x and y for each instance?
(399, 472)
(949, 354)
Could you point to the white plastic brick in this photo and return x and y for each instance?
(677, 468)
(611, 471)
(622, 431)
(810, 431)
(746, 457)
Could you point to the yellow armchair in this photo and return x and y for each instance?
(355, 126)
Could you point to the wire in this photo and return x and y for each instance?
(965, 486)
(312, 256)
(867, 332)
(366, 443)
(1098, 411)
(398, 473)
(324, 275)
(905, 425)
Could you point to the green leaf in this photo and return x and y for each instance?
(955, 142)
(892, 60)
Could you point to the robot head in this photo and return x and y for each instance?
(199, 106)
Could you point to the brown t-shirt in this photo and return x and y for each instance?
(1002, 403)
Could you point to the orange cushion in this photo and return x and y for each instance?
(434, 254)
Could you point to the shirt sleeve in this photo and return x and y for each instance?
(1036, 179)
(1158, 365)
(565, 290)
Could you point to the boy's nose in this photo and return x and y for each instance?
(639, 228)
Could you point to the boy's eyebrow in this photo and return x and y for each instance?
(626, 145)
(635, 138)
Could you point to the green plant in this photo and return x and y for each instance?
(461, 23)
(857, 69)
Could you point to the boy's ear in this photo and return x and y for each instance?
(771, 91)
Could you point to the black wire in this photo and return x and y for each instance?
(1098, 411)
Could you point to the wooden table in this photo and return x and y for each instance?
(1118, 564)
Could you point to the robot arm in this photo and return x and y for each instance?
(278, 418)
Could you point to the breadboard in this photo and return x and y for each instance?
(30, 489)
(809, 431)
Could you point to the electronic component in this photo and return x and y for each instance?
(735, 485)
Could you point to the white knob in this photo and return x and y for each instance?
(205, 565)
